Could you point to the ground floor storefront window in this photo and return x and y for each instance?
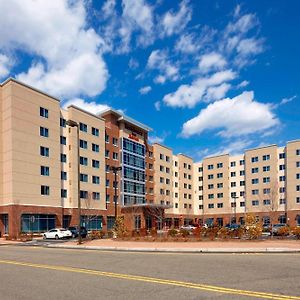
(110, 222)
(37, 223)
(4, 221)
(91, 222)
(220, 221)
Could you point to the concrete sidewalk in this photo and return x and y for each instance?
(274, 246)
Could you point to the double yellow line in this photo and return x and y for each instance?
(203, 287)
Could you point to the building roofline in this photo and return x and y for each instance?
(293, 141)
(256, 148)
(86, 112)
(28, 86)
(182, 154)
(164, 146)
(123, 117)
(207, 157)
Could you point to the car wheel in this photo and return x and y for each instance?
(44, 237)
(56, 237)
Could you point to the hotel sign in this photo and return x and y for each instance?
(133, 137)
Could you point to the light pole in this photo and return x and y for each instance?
(72, 123)
(115, 171)
(234, 207)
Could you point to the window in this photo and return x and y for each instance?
(266, 202)
(242, 204)
(254, 192)
(220, 175)
(63, 193)
(220, 195)
(44, 151)
(161, 168)
(83, 161)
(282, 201)
(242, 173)
(201, 206)
(254, 159)
(242, 183)
(200, 178)
(298, 152)
(84, 177)
(115, 141)
(254, 170)
(220, 185)
(175, 163)
(242, 193)
(44, 131)
(281, 189)
(45, 190)
(83, 194)
(266, 179)
(233, 195)
(176, 205)
(211, 176)
(200, 197)
(115, 155)
(298, 188)
(96, 196)
(297, 164)
(161, 156)
(63, 158)
(233, 184)
(161, 180)
(242, 162)
(95, 131)
(298, 176)
(63, 122)
(184, 165)
(83, 144)
(63, 140)
(107, 183)
(200, 169)
(220, 205)
(266, 168)
(255, 202)
(167, 181)
(281, 155)
(210, 167)
(281, 178)
(95, 147)
(106, 138)
(167, 170)
(266, 191)
(210, 186)
(176, 174)
(298, 200)
(233, 164)
(281, 167)
(233, 174)
(266, 157)
(44, 112)
(210, 196)
(185, 205)
(83, 127)
(63, 175)
(219, 165)
(95, 163)
(233, 204)
(106, 153)
(45, 171)
(211, 205)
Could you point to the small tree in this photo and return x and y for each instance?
(119, 229)
(253, 228)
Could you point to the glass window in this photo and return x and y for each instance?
(45, 190)
(83, 127)
(83, 144)
(96, 196)
(266, 168)
(83, 161)
(44, 151)
(63, 175)
(63, 158)
(83, 194)
(63, 140)
(63, 193)
(44, 131)
(96, 179)
(44, 112)
(106, 138)
(45, 171)
(233, 164)
(95, 163)
(95, 131)
(63, 122)
(84, 177)
(255, 203)
(210, 167)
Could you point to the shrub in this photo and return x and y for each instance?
(172, 232)
(184, 233)
(119, 229)
(253, 228)
(153, 232)
(224, 233)
(212, 232)
(296, 232)
(197, 232)
(143, 232)
(283, 231)
(96, 234)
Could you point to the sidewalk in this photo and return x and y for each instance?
(274, 246)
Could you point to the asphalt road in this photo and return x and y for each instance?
(44, 273)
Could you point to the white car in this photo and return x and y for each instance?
(188, 227)
(57, 233)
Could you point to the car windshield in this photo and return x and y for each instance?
(62, 229)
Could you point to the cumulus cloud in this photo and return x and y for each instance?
(5, 64)
(175, 22)
(156, 139)
(202, 89)
(158, 60)
(239, 116)
(157, 105)
(211, 61)
(65, 47)
(243, 84)
(92, 106)
(145, 90)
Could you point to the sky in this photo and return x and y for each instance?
(209, 77)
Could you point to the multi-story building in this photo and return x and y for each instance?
(39, 172)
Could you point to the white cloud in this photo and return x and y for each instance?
(133, 64)
(244, 83)
(157, 105)
(189, 95)
(145, 90)
(156, 139)
(175, 22)
(186, 44)
(5, 64)
(250, 46)
(66, 49)
(211, 61)
(158, 59)
(91, 107)
(287, 100)
(239, 116)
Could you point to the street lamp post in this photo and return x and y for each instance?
(72, 123)
(234, 207)
(115, 171)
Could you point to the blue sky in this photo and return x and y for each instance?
(209, 77)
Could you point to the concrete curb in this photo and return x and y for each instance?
(180, 250)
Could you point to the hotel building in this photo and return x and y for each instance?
(39, 172)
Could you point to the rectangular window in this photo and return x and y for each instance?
(267, 191)
(281, 178)
(233, 164)
(254, 170)
(298, 188)
(254, 159)
(83, 194)
(63, 193)
(95, 164)
(62, 122)
(115, 155)
(233, 184)
(219, 165)
(161, 156)
(200, 169)
(281, 155)
(254, 192)
(220, 185)
(44, 112)
(210, 205)
(167, 158)
(255, 203)
(220, 205)
(298, 176)
(266, 157)
(266, 168)
(96, 196)
(83, 161)
(83, 144)
(282, 201)
(220, 195)
(233, 174)
(107, 183)
(210, 167)
(282, 190)
(298, 200)
(63, 175)
(242, 193)
(242, 162)
(201, 206)
(96, 179)
(266, 179)
(220, 175)
(255, 181)
(297, 164)
(95, 147)
(242, 173)
(298, 152)
(210, 196)
(63, 140)
(95, 131)
(106, 138)
(242, 204)
(44, 131)
(83, 127)
(45, 190)
(281, 167)
(267, 202)
(106, 153)
(115, 141)
(210, 186)
(84, 177)
(44, 151)
(242, 183)
(211, 176)
(45, 171)
(63, 158)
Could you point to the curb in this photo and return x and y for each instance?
(180, 250)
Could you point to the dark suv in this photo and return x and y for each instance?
(75, 231)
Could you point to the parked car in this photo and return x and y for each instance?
(57, 233)
(75, 231)
(276, 227)
(188, 227)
